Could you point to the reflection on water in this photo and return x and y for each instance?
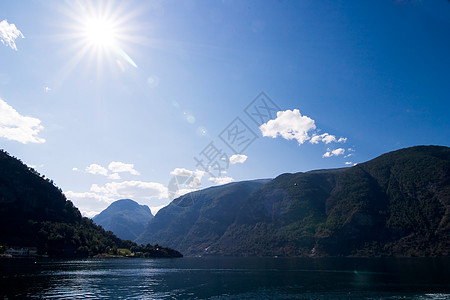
(227, 278)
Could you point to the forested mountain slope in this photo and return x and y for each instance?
(35, 213)
(396, 204)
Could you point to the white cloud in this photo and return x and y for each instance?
(350, 154)
(115, 167)
(132, 189)
(238, 158)
(114, 176)
(15, 127)
(9, 33)
(327, 154)
(335, 152)
(96, 169)
(326, 138)
(118, 167)
(194, 178)
(221, 180)
(75, 169)
(184, 181)
(182, 172)
(348, 163)
(289, 124)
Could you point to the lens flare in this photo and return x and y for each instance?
(102, 34)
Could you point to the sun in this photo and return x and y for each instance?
(100, 33)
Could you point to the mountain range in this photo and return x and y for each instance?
(34, 213)
(125, 218)
(397, 204)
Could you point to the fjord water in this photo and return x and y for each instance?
(227, 278)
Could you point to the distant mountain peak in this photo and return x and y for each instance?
(125, 218)
(127, 204)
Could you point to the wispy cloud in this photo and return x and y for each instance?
(238, 159)
(184, 181)
(349, 154)
(15, 127)
(193, 178)
(182, 172)
(96, 170)
(335, 152)
(115, 167)
(118, 167)
(133, 189)
(114, 176)
(9, 33)
(326, 138)
(221, 180)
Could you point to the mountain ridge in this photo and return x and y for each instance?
(396, 204)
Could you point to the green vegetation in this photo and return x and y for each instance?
(35, 213)
(397, 204)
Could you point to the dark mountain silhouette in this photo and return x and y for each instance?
(35, 213)
(125, 218)
(194, 220)
(397, 204)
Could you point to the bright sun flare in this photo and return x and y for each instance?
(100, 33)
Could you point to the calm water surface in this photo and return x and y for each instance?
(226, 278)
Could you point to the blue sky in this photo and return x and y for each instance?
(147, 99)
